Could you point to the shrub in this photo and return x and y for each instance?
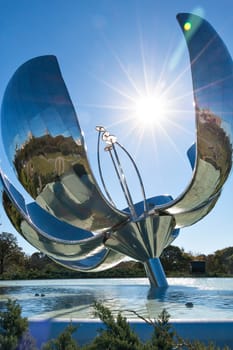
(14, 329)
(64, 341)
(117, 333)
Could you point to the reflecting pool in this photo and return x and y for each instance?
(209, 298)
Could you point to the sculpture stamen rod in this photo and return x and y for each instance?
(68, 218)
(111, 141)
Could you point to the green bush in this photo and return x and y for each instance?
(14, 329)
(117, 333)
(64, 341)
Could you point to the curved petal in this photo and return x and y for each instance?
(45, 146)
(45, 232)
(99, 263)
(82, 255)
(212, 74)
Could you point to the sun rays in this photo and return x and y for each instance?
(147, 107)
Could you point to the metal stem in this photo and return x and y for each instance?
(139, 176)
(111, 142)
(100, 171)
(123, 182)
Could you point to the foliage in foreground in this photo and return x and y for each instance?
(115, 335)
(14, 329)
(118, 335)
(65, 341)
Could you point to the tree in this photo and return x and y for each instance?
(175, 259)
(117, 333)
(10, 252)
(14, 334)
(65, 341)
(38, 261)
(221, 261)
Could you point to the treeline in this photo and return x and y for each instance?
(15, 264)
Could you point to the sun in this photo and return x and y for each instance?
(151, 109)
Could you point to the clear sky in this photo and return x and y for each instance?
(112, 55)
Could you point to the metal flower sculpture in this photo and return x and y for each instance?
(68, 218)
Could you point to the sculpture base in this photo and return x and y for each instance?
(155, 273)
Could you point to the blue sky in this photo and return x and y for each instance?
(111, 54)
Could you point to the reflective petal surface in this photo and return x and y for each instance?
(61, 242)
(45, 146)
(212, 74)
(68, 218)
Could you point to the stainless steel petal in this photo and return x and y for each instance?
(79, 255)
(145, 238)
(107, 261)
(212, 74)
(46, 232)
(186, 218)
(45, 146)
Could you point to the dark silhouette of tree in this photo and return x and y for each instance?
(39, 261)
(10, 252)
(221, 261)
(175, 259)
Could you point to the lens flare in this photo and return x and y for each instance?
(187, 26)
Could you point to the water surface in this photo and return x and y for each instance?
(212, 298)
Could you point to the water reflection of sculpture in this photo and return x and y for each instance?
(69, 219)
